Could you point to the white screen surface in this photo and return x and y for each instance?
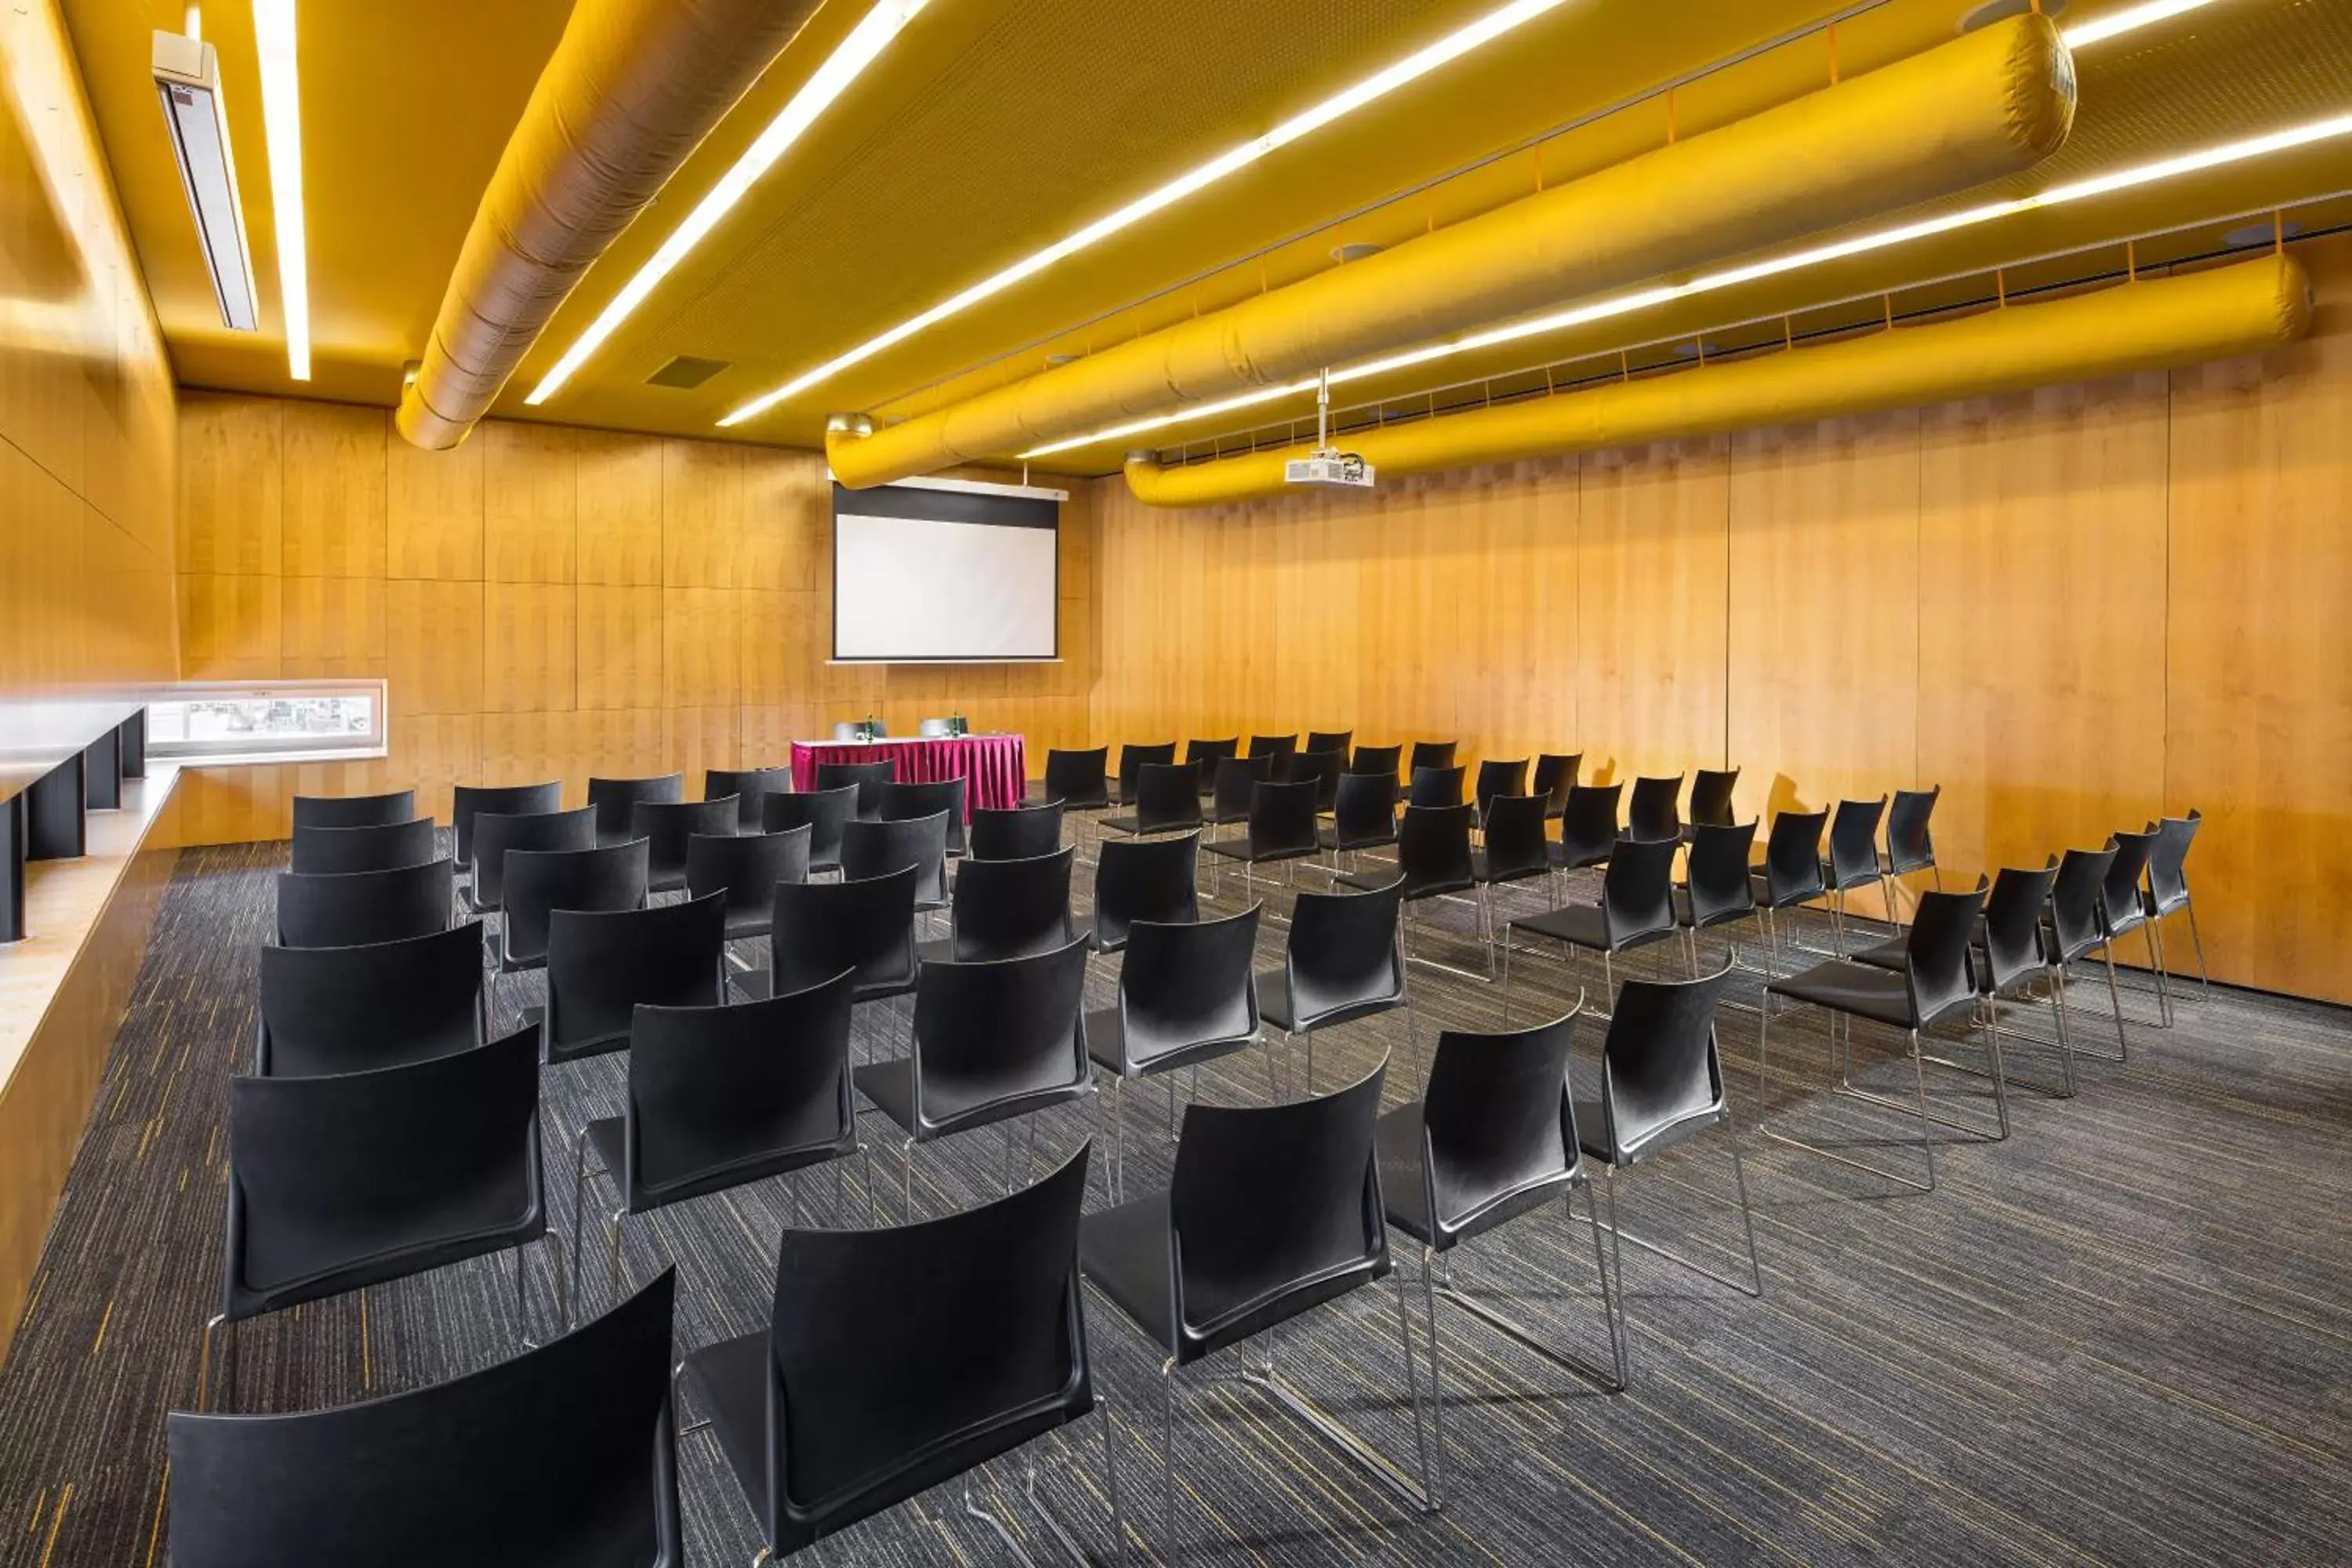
(916, 588)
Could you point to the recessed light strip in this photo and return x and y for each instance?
(1794, 261)
(2126, 20)
(281, 123)
(848, 60)
(1495, 24)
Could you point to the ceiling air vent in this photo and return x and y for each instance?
(686, 373)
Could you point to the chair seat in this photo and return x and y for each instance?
(1480, 873)
(1274, 1006)
(1562, 861)
(1893, 953)
(1329, 838)
(891, 1086)
(1374, 881)
(1720, 918)
(1397, 1143)
(935, 949)
(609, 1137)
(746, 925)
(759, 984)
(1107, 1038)
(1239, 849)
(1760, 885)
(1889, 867)
(728, 1381)
(1584, 925)
(1124, 1250)
(1859, 880)
(1880, 995)
(1591, 1120)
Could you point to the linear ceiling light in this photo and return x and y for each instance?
(1484, 30)
(281, 131)
(848, 60)
(1794, 261)
(2126, 20)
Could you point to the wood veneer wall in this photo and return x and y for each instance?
(545, 602)
(2074, 609)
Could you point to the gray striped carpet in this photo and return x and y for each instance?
(2124, 1336)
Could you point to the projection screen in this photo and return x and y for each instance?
(944, 572)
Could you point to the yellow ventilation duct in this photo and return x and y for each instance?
(2153, 324)
(1986, 105)
(632, 88)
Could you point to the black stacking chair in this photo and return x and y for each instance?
(992, 1042)
(1437, 787)
(1516, 849)
(1497, 778)
(1375, 759)
(1329, 741)
(1236, 783)
(667, 826)
(2168, 883)
(1281, 831)
(1636, 908)
(1282, 748)
(499, 800)
(615, 802)
(1344, 960)
(602, 963)
(2123, 903)
(1852, 860)
(744, 868)
(1656, 809)
(719, 1098)
(1588, 828)
(870, 849)
(1144, 879)
(1661, 1087)
(750, 787)
(354, 810)
(1792, 874)
(1014, 833)
(542, 881)
(350, 1009)
(1717, 888)
(823, 812)
(1934, 985)
(1008, 909)
(1132, 761)
(936, 797)
(866, 778)
(1321, 769)
(1436, 754)
(1554, 775)
(895, 1359)
(1363, 816)
(1166, 799)
(1079, 779)
(1909, 846)
(1206, 755)
(1272, 1210)
(329, 851)
(819, 928)
(565, 1455)
(1493, 1139)
(1710, 799)
(1432, 861)
(351, 908)
(496, 832)
(1186, 995)
(2074, 928)
(338, 1183)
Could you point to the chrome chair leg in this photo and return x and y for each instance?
(2197, 941)
(1169, 1552)
(218, 1325)
(1763, 1128)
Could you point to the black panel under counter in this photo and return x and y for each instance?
(12, 873)
(133, 736)
(56, 825)
(102, 765)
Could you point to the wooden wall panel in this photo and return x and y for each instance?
(434, 518)
(230, 627)
(529, 474)
(332, 482)
(617, 488)
(231, 503)
(433, 654)
(332, 625)
(527, 640)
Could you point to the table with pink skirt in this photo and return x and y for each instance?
(995, 767)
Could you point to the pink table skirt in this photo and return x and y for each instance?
(996, 766)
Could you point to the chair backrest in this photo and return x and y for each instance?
(816, 930)
(744, 868)
(1363, 811)
(1430, 754)
(1282, 819)
(1936, 953)
(1497, 1124)
(900, 1356)
(2076, 899)
(1908, 845)
(877, 848)
(998, 1036)
(1589, 824)
(542, 881)
(1637, 891)
(1345, 955)
(1661, 1064)
(1133, 760)
(1012, 909)
(384, 848)
(933, 797)
(1792, 857)
(342, 1181)
(1554, 775)
(866, 778)
(1208, 753)
(467, 801)
(1498, 777)
(722, 1096)
(615, 801)
(566, 1454)
(1186, 987)
(1167, 798)
(1273, 1209)
(822, 812)
(1716, 872)
(1710, 796)
(1145, 879)
(1516, 845)
(354, 810)
(1329, 741)
(1435, 787)
(1854, 842)
(1014, 832)
(2119, 896)
(1079, 779)
(2168, 863)
(1434, 848)
(1236, 783)
(1375, 759)
(350, 1009)
(352, 908)
(750, 787)
(665, 825)
(1283, 746)
(496, 832)
(1321, 768)
(601, 963)
(1655, 808)
(2012, 927)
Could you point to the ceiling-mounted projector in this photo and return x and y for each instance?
(187, 78)
(1327, 468)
